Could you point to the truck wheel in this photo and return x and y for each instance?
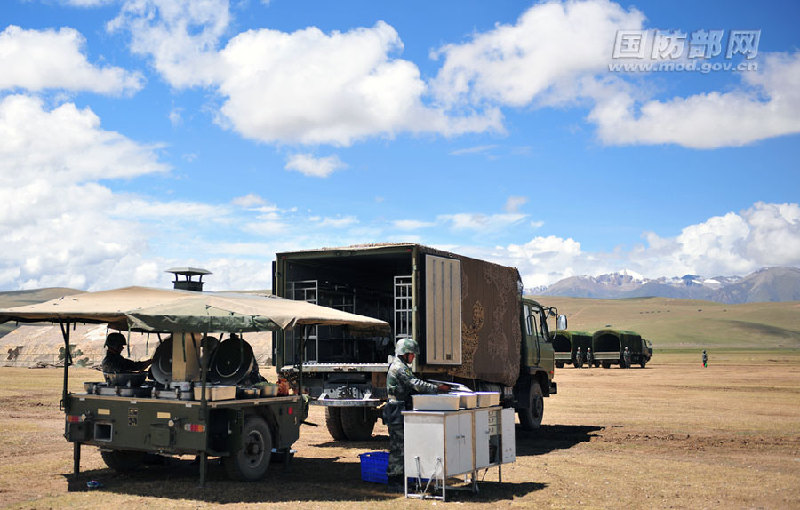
(250, 463)
(642, 363)
(606, 364)
(357, 423)
(559, 365)
(123, 461)
(531, 418)
(333, 420)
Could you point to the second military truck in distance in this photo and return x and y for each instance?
(469, 317)
(609, 347)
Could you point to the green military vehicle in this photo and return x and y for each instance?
(468, 316)
(609, 347)
(566, 343)
(200, 401)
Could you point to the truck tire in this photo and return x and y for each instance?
(606, 364)
(357, 423)
(251, 461)
(123, 461)
(559, 364)
(643, 362)
(531, 418)
(333, 420)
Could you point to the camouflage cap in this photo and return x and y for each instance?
(406, 346)
(115, 340)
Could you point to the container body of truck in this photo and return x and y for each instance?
(467, 315)
(609, 346)
(566, 343)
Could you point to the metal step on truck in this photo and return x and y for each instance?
(200, 397)
(469, 317)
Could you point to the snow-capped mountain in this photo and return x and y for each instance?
(768, 284)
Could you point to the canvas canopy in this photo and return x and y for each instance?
(148, 309)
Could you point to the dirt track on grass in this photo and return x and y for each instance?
(673, 435)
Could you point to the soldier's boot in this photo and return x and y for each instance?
(395, 485)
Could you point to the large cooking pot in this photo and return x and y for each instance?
(231, 362)
(130, 379)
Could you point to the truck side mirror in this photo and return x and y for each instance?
(561, 322)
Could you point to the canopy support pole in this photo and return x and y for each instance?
(64, 404)
(204, 402)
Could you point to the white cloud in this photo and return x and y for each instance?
(338, 222)
(65, 145)
(765, 106)
(181, 36)
(88, 3)
(481, 222)
(54, 59)
(732, 244)
(480, 149)
(514, 203)
(412, 224)
(249, 201)
(311, 166)
(305, 87)
(558, 54)
(550, 44)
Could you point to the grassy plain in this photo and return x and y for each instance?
(688, 324)
(672, 435)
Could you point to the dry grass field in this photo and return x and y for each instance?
(673, 435)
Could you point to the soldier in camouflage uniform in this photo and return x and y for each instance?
(626, 358)
(401, 385)
(589, 357)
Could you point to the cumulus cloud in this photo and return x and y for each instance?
(60, 226)
(767, 104)
(550, 43)
(412, 224)
(731, 244)
(480, 222)
(305, 87)
(558, 54)
(54, 59)
(312, 166)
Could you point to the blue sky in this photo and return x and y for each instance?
(142, 134)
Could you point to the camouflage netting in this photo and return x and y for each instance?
(490, 329)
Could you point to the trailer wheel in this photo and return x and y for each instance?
(123, 461)
(250, 463)
(531, 418)
(333, 420)
(606, 364)
(357, 423)
(559, 364)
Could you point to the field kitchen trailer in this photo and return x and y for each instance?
(468, 316)
(200, 402)
(566, 343)
(609, 344)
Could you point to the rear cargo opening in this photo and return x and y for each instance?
(374, 284)
(606, 343)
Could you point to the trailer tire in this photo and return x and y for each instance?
(606, 364)
(559, 364)
(123, 461)
(357, 423)
(531, 418)
(251, 461)
(333, 421)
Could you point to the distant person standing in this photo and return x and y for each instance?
(589, 357)
(578, 358)
(626, 357)
(705, 359)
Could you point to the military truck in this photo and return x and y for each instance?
(609, 344)
(201, 400)
(566, 343)
(468, 316)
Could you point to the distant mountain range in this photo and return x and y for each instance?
(768, 284)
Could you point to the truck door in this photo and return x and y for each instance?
(532, 335)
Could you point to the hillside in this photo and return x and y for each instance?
(29, 297)
(688, 324)
(772, 284)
